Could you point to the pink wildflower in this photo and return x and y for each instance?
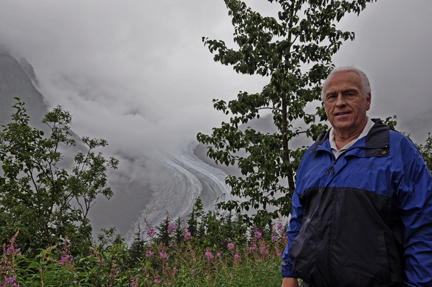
(209, 254)
(230, 245)
(11, 280)
(237, 258)
(151, 232)
(263, 247)
(187, 236)
(156, 281)
(258, 235)
(149, 253)
(10, 249)
(218, 254)
(164, 255)
(64, 259)
(280, 226)
(274, 238)
(171, 228)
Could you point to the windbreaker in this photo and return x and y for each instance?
(364, 219)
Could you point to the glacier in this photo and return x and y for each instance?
(188, 177)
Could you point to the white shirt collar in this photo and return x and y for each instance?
(336, 151)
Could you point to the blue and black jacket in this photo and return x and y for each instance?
(364, 219)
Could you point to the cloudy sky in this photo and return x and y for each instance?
(137, 73)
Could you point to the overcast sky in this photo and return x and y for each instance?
(137, 73)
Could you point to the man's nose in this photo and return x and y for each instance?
(340, 101)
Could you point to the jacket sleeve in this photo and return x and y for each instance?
(292, 232)
(295, 223)
(415, 203)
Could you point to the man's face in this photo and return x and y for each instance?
(345, 104)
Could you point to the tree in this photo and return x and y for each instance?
(426, 151)
(164, 230)
(179, 232)
(137, 248)
(37, 190)
(281, 49)
(194, 218)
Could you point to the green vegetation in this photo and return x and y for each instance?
(248, 259)
(38, 185)
(426, 151)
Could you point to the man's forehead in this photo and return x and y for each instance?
(344, 80)
(344, 87)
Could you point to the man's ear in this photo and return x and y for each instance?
(368, 102)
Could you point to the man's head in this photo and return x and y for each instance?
(364, 79)
(347, 97)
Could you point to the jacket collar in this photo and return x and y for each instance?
(376, 142)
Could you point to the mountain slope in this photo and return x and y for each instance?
(15, 82)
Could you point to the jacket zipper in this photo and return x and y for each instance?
(331, 171)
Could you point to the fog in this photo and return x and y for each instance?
(138, 74)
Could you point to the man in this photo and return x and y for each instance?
(362, 208)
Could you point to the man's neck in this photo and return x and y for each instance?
(342, 138)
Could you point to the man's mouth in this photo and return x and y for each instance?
(342, 113)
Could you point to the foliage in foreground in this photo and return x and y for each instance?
(38, 185)
(184, 263)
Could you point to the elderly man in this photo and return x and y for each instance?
(362, 208)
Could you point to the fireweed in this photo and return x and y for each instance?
(187, 263)
(8, 266)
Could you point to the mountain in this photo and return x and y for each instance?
(16, 80)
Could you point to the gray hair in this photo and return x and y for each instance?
(366, 88)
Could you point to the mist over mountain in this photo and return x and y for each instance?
(146, 185)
